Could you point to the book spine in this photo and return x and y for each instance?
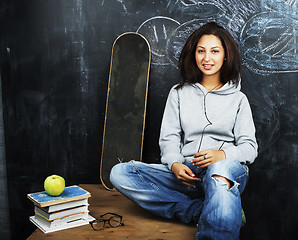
(62, 213)
(53, 219)
(63, 206)
(60, 222)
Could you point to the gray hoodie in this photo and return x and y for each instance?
(196, 119)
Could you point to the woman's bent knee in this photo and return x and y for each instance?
(117, 174)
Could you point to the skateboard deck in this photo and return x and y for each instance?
(126, 102)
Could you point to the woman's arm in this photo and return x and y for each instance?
(170, 133)
(245, 148)
(170, 141)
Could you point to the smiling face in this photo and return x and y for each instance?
(210, 56)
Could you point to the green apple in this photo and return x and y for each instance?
(54, 185)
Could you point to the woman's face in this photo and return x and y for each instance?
(210, 55)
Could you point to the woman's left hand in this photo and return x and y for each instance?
(207, 157)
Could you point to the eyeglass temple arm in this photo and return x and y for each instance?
(112, 214)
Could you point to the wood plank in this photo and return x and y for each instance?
(139, 223)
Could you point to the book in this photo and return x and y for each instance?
(61, 213)
(69, 194)
(66, 225)
(61, 206)
(68, 210)
(61, 221)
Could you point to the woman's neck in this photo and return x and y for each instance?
(211, 83)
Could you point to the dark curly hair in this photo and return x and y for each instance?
(231, 69)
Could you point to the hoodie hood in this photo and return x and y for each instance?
(228, 88)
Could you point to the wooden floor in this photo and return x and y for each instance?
(139, 224)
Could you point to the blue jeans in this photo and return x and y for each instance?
(215, 208)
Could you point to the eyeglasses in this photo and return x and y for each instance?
(113, 219)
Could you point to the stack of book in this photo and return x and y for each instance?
(68, 210)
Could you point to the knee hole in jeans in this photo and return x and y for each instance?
(229, 182)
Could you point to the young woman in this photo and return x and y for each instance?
(207, 139)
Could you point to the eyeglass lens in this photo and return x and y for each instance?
(99, 224)
(113, 221)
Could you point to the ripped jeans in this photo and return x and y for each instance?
(214, 207)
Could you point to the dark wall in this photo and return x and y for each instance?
(55, 59)
(4, 207)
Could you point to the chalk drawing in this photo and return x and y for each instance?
(167, 35)
(191, 9)
(269, 43)
(280, 5)
(291, 2)
(232, 13)
(157, 30)
(122, 4)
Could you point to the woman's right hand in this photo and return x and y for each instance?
(184, 174)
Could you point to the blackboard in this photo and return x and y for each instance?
(55, 59)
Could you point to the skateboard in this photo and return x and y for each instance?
(126, 102)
